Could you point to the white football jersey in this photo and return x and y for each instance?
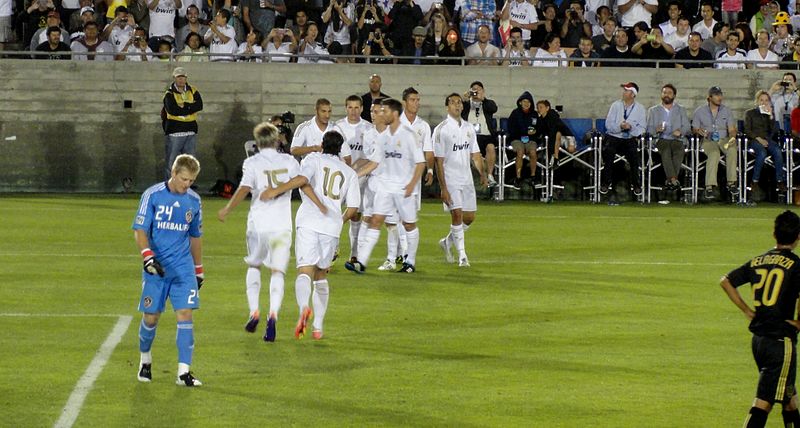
(455, 142)
(269, 169)
(422, 131)
(398, 155)
(334, 183)
(354, 136)
(308, 134)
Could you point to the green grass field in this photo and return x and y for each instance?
(571, 315)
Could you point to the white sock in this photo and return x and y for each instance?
(320, 302)
(275, 293)
(413, 243)
(302, 289)
(370, 239)
(403, 249)
(253, 282)
(458, 238)
(354, 228)
(465, 226)
(145, 358)
(392, 240)
(182, 368)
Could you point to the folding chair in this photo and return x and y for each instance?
(652, 165)
(747, 164)
(791, 151)
(579, 128)
(250, 148)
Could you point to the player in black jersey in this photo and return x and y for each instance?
(775, 279)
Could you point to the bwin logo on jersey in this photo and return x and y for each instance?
(457, 147)
(396, 155)
(357, 147)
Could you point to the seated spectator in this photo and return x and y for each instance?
(91, 44)
(87, 15)
(35, 18)
(784, 98)
(40, 36)
(276, 46)
(693, 52)
(75, 21)
(550, 129)
(419, 50)
(250, 50)
(633, 11)
(575, 25)
(164, 52)
(379, 47)
(717, 43)
(625, 122)
(479, 112)
(584, 51)
(301, 25)
(515, 54)
(405, 15)
(137, 48)
(652, 46)
(339, 18)
(483, 49)
(368, 16)
(674, 11)
(437, 29)
(452, 49)
(640, 29)
(53, 45)
(522, 14)
(669, 125)
(782, 36)
(120, 30)
(715, 124)
(746, 40)
(605, 40)
(522, 133)
(732, 57)
(620, 53)
(475, 13)
(193, 49)
(599, 19)
(762, 56)
(193, 25)
(221, 37)
(550, 50)
(162, 19)
(679, 39)
(764, 17)
(549, 25)
(792, 60)
(759, 126)
(706, 25)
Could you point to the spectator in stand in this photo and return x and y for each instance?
(87, 15)
(575, 25)
(732, 57)
(652, 46)
(90, 44)
(405, 15)
(625, 122)
(620, 53)
(301, 24)
(781, 38)
(53, 46)
(522, 14)
(795, 18)
(250, 50)
(75, 21)
(717, 43)
(674, 11)
(368, 16)
(522, 133)
(475, 13)
(633, 11)
(339, 17)
(706, 26)
(185, 4)
(483, 49)
(420, 49)
(784, 98)
(221, 37)
(193, 25)
(164, 50)
(379, 46)
(599, 20)
(162, 18)
(137, 49)
(120, 30)
(452, 49)
(193, 49)
(437, 30)
(40, 36)
(792, 60)
(549, 25)
(66, 9)
(763, 18)
(605, 40)
(277, 46)
(375, 84)
(693, 52)
(260, 14)
(760, 128)
(714, 122)
(731, 10)
(639, 30)
(680, 38)
(584, 52)
(139, 10)
(515, 54)
(595, 9)
(669, 125)
(747, 41)
(550, 51)
(479, 112)
(762, 56)
(35, 18)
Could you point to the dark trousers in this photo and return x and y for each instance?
(625, 147)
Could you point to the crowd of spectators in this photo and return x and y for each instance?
(539, 33)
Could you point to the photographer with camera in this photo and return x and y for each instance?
(282, 122)
(221, 36)
(137, 45)
(652, 46)
(276, 46)
(405, 15)
(479, 112)
(515, 54)
(376, 45)
(575, 25)
(339, 16)
(370, 15)
(784, 98)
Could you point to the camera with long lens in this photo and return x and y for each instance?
(287, 117)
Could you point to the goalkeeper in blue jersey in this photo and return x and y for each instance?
(168, 229)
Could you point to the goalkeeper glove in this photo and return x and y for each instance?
(199, 275)
(150, 264)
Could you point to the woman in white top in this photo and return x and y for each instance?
(277, 50)
(310, 51)
(339, 18)
(250, 50)
(551, 48)
(194, 51)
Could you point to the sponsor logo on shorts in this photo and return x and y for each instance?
(148, 301)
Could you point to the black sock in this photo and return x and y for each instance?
(791, 418)
(757, 418)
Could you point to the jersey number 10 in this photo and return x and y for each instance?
(329, 182)
(767, 290)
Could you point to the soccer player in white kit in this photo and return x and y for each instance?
(269, 223)
(308, 135)
(401, 164)
(318, 228)
(353, 128)
(454, 145)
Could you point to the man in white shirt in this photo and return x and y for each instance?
(483, 49)
(318, 226)
(372, 139)
(90, 45)
(706, 26)
(269, 223)
(120, 30)
(757, 57)
(308, 135)
(521, 14)
(162, 18)
(455, 146)
(674, 12)
(401, 164)
(633, 11)
(515, 54)
(680, 38)
(221, 37)
(732, 57)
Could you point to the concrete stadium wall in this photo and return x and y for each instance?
(64, 127)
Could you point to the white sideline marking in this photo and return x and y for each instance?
(75, 402)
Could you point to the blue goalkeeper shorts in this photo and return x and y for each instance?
(180, 288)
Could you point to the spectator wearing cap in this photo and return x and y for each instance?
(579, 57)
(53, 45)
(669, 125)
(120, 30)
(162, 20)
(620, 53)
(717, 43)
(87, 15)
(781, 42)
(420, 49)
(763, 18)
(693, 52)
(732, 57)
(475, 13)
(483, 48)
(40, 36)
(626, 121)
(193, 25)
(90, 45)
(633, 11)
(375, 84)
(521, 14)
(762, 56)
(715, 124)
(35, 18)
(706, 25)
(760, 128)
(182, 102)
